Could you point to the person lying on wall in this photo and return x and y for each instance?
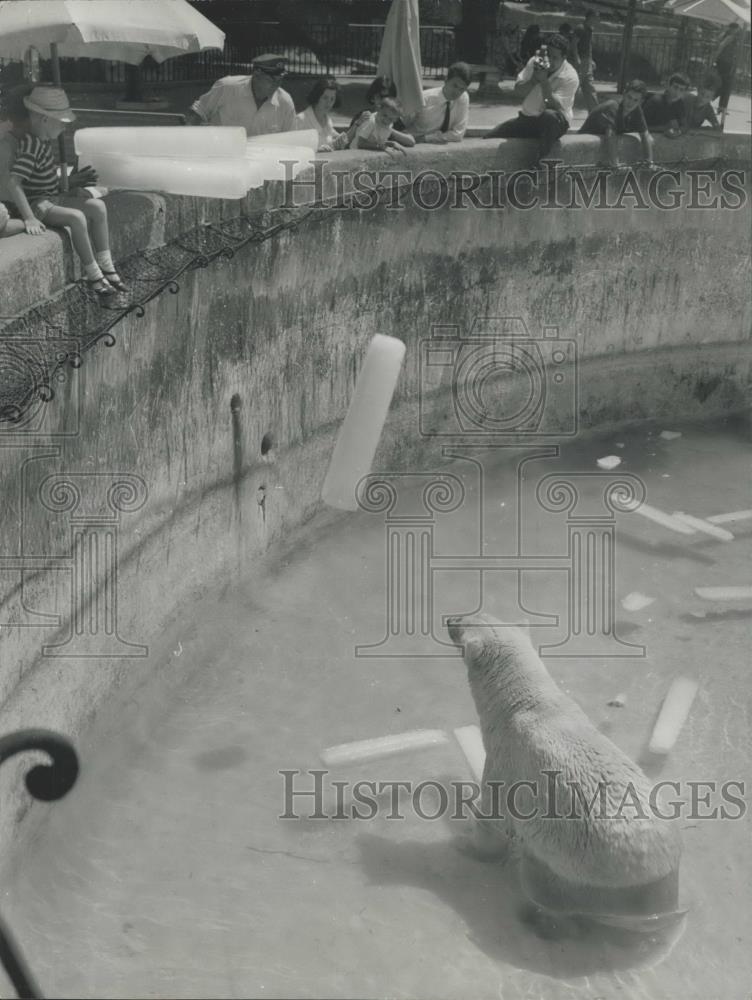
(322, 98)
(377, 130)
(547, 84)
(256, 102)
(667, 112)
(700, 105)
(14, 115)
(445, 114)
(617, 117)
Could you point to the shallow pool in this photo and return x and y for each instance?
(168, 871)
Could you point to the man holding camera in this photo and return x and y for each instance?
(547, 84)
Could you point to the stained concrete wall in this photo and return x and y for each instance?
(657, 303)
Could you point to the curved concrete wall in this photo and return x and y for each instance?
(656, 302)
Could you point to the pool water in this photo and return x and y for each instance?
(168, 871)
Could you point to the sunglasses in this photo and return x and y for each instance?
(275, 74)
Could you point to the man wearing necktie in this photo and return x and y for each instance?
(446, 110)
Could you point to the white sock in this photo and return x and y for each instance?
(93, 271)
(105, 260)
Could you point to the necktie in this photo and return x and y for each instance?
(445, 123)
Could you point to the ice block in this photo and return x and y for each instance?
(673, 715)
(215, 178)
(307, 137)
(385, 746)
(279, 163)
(471, 743)
(359, 435)
(706, 526)
(196, 143)
(659, 517)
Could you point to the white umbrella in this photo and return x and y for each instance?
(121, 30)
(400, 54)
(717, 11)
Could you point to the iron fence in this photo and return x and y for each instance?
(353, 49)
(654, 56)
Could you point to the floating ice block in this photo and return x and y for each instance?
(659, 517)
(673, 715)
(195, 143)
(471, 743)
(609, 462)
(307, 137)
(706, 526)
(384, 746)
(724, 593)
(361, 430)
(216, 178)
(734, 515)
(636, 601)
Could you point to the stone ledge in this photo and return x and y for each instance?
(35, 269)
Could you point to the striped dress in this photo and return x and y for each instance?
(36, 169)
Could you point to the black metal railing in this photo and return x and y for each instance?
(655, 55)
(47, 783)
(353, 49)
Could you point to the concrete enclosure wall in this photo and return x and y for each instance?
(145, 478)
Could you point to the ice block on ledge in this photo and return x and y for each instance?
(307, 137)
(196, 143)
(214, 178)
(280, 162)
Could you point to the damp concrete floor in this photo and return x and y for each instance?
(168, 872)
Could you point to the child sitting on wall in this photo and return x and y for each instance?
(34, 188)
(377, 131)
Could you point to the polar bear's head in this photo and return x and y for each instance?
(481, 637)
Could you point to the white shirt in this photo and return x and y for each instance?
(371, 129)
(328, 135)
(430, 118)
(564, 83)
(231, 102)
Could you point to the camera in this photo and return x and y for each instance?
(541, 58)
(504, 383)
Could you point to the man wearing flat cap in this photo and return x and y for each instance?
(257, 102)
